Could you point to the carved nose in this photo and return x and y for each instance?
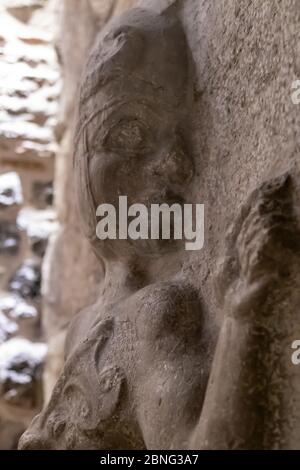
(174, 164)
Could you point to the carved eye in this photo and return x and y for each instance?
(128, 136)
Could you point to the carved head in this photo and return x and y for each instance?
(133, 120)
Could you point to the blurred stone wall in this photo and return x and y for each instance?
(29, 91)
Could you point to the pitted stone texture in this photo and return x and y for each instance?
(244, 143)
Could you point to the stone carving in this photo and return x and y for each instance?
(138, 371)
(141, 348)
(133, 120)
(251, 400)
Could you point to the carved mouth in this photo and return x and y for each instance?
(167, 197)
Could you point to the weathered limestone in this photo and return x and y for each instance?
(188, 350)
(29, 92)
(145, 134)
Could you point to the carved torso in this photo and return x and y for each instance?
(125, 366)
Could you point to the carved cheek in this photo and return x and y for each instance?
(113, 175)
(103, 175)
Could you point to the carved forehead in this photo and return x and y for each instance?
(139, 52)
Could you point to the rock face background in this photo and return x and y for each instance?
(29, 90)
(245, 130)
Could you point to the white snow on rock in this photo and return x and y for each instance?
(10, 189)
(24, 310)
(7, 328)
(29, 89)
(16, 307)
(19, 358)
(25, 130)
(37, 223)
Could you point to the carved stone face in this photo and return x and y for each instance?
(133, 119)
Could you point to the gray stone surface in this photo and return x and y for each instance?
(188, 350)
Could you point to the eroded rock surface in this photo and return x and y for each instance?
(29, 89)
